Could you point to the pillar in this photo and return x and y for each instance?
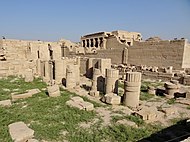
(112, 76)
(132, 86)
(96, 74)
(58, 71)
(70, 77)
(38, 66)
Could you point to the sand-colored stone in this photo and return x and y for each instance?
(112, 77)
(112, 99)
(53, 91)
(132, 89)
(29, 93)
(5, 103)
(20, 132)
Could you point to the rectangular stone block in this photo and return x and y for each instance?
(20, 132)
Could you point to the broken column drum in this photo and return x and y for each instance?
(112, 76)
(70, 77)
(96, 74)
(132, 87)
(171, 88)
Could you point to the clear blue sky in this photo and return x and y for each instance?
(51, 20)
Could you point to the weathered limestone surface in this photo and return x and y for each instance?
(5, 103)
(151, 90)
(113, 99)
(171, 88)
(29, 93)
(29, 76)
(79, 103)
(112, 77)
(53, 91)
(20, 132)
(132, 89)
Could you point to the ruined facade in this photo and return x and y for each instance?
(99, 50)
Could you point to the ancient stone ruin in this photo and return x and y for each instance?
(96, 68)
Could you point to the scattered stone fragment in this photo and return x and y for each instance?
(127, 122)
(53, 91)
(183, 101)
(32, 140)
(5, 103)
(74, 104)
(87, 106)
(29, 93)
(113, 99)
(168, 110)
(147, 113)
(79, 103)
(94, 93)
(77, 99)
(151, 90)
(20, 132)
(171, 88)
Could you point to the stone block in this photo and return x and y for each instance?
(32, 140)
(169, 110)
(94, 93)
(77, 99)
(20, 132)
(113, 99)
(87, 106)
(29, 76)
(5, 103)
(127, 122)
(74, 104)
(53, 91)
(29, 93)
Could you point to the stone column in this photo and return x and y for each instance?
(104, 43)
(94, 90)
(132, 87)
(98, 40)
(96, 74)
(70, 77)
(38, 66)
(112, 76)
(58, 71)
(47, 72)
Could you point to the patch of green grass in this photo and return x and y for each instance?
(115, 133)
(120, 84)
(132, 118)
(171, 101)
(18, 85)
(144, 96)
(47, 116)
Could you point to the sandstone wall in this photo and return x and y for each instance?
(116, 55)
(163, 53)
(22, 55)
(113, 42)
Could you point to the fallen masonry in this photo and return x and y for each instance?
(53, 91)
(79, 103)
(20, 132)
(29, 93)
(5, 103)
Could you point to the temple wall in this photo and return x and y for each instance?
(186, 56)
(161, 54)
